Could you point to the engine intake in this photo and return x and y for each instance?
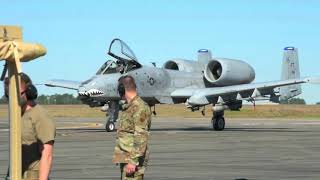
(183, 65)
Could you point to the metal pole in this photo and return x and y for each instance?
(15, 122)
(14, 34)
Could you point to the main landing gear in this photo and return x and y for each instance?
(218, 121)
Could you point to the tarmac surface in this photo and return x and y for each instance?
(188, 149)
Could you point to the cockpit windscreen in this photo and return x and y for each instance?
(121, 51)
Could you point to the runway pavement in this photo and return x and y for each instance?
(188, 149)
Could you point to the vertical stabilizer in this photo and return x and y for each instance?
(290, 70)
(204, 56)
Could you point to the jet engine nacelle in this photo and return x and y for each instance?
(183, 65)
(225, 72)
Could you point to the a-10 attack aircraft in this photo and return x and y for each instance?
(224, 83)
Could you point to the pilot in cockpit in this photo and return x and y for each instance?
(120, 67)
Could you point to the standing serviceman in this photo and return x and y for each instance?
(38, 133)
(131, 150)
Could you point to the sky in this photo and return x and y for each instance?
(77, 34)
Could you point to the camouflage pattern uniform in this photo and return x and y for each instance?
(132, 138)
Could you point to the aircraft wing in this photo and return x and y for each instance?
(63, 84)
(236, 92)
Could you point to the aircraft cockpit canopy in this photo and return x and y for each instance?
(124, 55)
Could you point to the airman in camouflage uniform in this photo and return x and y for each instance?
(132, 137)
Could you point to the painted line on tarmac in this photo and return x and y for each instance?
(256, 124)
(85, 125)
(274, 123)
(306, 123)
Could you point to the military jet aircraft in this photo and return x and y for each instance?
(224, 83)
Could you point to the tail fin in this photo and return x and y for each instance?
(204, 56)
(290, 70)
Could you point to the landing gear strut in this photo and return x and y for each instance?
(218, 122)
(112, 115)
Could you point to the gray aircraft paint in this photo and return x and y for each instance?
(222, 82)
(290, 70)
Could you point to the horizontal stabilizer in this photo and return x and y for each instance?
(312, 80)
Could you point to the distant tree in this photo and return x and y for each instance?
(297, 101)
(318, 103)
(51, 99)
(66, 99)
(58, 99)
(63, 99)
(294, 101)
(43, 99)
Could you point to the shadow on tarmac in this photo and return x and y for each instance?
(201, 129)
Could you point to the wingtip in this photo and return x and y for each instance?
(312, 80)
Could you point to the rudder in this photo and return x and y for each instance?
(290, 70)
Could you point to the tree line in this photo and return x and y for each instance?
(70, 99)
(52, 99)
(293, 101)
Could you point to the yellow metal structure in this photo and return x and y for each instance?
(13, 50)
(10, 33)
(15, 123)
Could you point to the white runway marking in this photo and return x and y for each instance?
(262, 123)
(251, 124)
(81, 125)
(306, 123)
(274, 123)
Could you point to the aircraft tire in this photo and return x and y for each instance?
(110, 126)
(218, 123)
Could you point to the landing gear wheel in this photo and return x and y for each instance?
(110, 126)
(218, 123)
